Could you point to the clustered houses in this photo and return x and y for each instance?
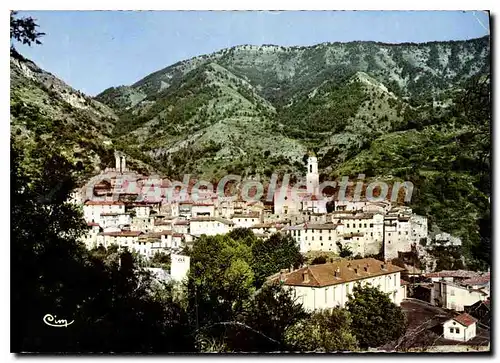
(145, 208)
(329, 285)
(456, 290)
(158, 222)
(366, 227)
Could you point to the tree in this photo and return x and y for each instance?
(112, 303)
(270, 312)
(344, 251)
(242, 234)
(23, 30)
(319, 260)
(376, 320)
(273, 254)
(220, 279)
(323, 331)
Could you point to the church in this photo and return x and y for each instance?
(294, 199)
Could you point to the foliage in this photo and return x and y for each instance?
(113, 304)
(23, 30)
(262, 324)
(323, 331)
(220, 279)
(273, 254)
(319, 260)
(376, 320)
(344, 250)
(162, 260)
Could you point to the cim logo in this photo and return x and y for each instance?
(51, 320)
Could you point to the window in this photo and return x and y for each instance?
(457, 330)
(452, 292)
(389, 234)
(399, 232)
(347, 225)
(322, 243)
(326, 295)
(320, 238)
(371, 225)
(365, 225)
(329, 238)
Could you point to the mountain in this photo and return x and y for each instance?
(47, 114)
(250, 109)
(418, 112)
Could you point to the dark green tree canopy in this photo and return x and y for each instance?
(376, 320)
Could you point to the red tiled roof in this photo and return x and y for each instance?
(104, 202)
(123, 234)
(93, 224)
(465, 319)
(479, 280)
(177, 234)
(347, 271)
(181, 223)
(249, 215)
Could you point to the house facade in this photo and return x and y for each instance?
(461, 328)
(329, 285)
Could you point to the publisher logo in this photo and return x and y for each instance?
(51, 320)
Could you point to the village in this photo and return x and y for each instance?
(377, 233)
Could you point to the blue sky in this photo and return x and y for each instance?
(94, 50)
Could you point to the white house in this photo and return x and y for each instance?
(181, 226)
(210, 226)
(92, 209)
(264, 228)
(144, 224)
(162, 224)
(180, 267)
(115, 220)
(203, 209)
(121, 238)
(314, 237)
(461, 328)
(90, 238)
(245, 220)
(328, 285)
(456, 295)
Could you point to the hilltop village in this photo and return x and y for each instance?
(118, 216)
(375, 233)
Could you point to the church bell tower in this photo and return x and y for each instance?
(312, 175)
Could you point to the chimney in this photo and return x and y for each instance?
(383, 266)
(356, 270)
(366, 268)
(305, 276)
(337, 272)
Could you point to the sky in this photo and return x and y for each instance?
(94, 50)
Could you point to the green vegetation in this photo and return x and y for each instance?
(375, 319)
(323, 331)
(447, 158)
